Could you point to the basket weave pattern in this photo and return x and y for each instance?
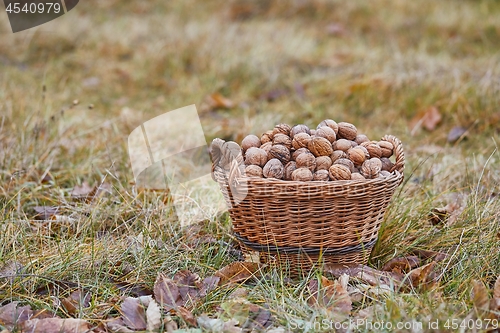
(305, 215)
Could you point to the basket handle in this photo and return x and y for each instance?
(398, 151)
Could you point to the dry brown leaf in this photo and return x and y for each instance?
(429, 254)
(237, 272)
(456, 133)
(423, 277)
(59, 325)
(186, 315)
(166, 292)
(188, 284)
(117, 325)
(428, 118)
(330, 294)
(479, 296)
(45, 212)
(208, 284)
(76, 301)
(153, 316)
(87, 193)
(133, 313)
(401, 264)
(217, 101)
(12, 315)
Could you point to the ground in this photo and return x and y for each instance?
(71, 92)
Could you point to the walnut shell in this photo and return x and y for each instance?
(289, 168)
(306, 160)
(282, 139)
(254, 171)
(346, 162)
(302, 174)
(373, 149)
(267, 137)
(256, 156)
(337, 154)
(386, 147)
(266, 146)
(327, 133)
(320, 146)
(301, 140)
(387, 164)
(360, 138)
(371, 168)
(280, 152)
(384, 174)
(321, 175)
(313, 132)
(330, 123)
(339, 172)
(367, 154)
(298, 152)
(357, 176)
(347, 131)
(342, 144)
(250, 141)
(282, 129)
(299, 129)
(353, 144)
(274, 169)
(356, 155)
(323, 163)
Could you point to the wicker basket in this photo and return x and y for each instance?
(303, 224)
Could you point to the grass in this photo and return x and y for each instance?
(384, 63)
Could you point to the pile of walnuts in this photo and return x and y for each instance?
(331, 152)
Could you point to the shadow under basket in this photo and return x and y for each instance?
(302, 225)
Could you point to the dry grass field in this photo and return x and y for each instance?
(72, 90)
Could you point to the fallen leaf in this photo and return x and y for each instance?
(259, 320)
(118, 325)
(401, 264)
(448, 214)
(237, 272)
(428, 118)
(364, 273)
(76, 301)
(331, 295)
(428, 254)
(59, 325)
(133, 313)
(45, 212)
(153, 316)
(217, 101)
(12, 315)
(186, 315)
(208, 284)
(218, 325)
(423, 277)
(479, 296)
(188, 284)
(166, 292)
(456, 133)
(87, 193)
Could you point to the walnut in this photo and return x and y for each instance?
(371, 168)
(323, 163)
(282, 129)
(346, 162)
(360, 138)
(356, 155)
(342, 144)
(274, 169)
(255, 156)
(266, 146)
(330, 123)
(386, 147)
(301, 140)
(387, 164)
(299, 129)
(353, 144)
(267, 137)
(250, 141)
(289, 168)
(357, 176)
(347, 131)
(320, 146)
(339, 172)
(373, 149)
(327, 133)
(321, 175)
(306, 160)
(298, 152)
(282, 139)
(254, 171)
(384, 174)
(367, 154)
(337, 154)
(313, 132)
(280, 152)
(302, 174)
